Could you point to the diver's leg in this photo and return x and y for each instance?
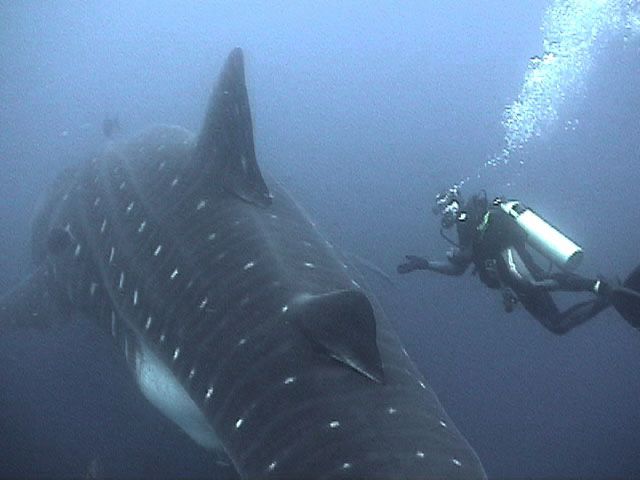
(542, 307)
(570, 282)
(536, 299)
(523, 269)
(577, 315)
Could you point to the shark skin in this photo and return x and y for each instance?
(238, 320)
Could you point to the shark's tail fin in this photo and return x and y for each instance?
(626, 299)
(29, 304)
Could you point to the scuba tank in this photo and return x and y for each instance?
(544, 238)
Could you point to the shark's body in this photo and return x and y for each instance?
(239, 321)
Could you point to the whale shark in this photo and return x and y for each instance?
(239, 321)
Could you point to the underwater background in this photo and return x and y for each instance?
(364, 111)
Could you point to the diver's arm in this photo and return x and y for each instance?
(413, 263)
(447, 268)
(456, 264)
(458, 260)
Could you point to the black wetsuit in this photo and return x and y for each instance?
(495, 245)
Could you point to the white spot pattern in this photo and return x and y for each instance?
(126, 349)
(174, 274)
(113, 324)
(157, 251)
(141, 227)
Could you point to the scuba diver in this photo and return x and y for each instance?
(494, 238)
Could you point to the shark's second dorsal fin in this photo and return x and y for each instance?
(225, 143)
(342, 325)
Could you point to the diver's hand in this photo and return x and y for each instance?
(413, 263)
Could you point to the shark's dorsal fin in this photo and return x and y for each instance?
(225, 143)
(342, 325)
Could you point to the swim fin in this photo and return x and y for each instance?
(626, 298)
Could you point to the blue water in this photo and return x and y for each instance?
(364, 113)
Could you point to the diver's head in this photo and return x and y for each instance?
(475, 209)
(448, 205)
(478, 204)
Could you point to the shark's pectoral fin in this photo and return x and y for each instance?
(341, 325)
(29, 305)
(225, 145)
